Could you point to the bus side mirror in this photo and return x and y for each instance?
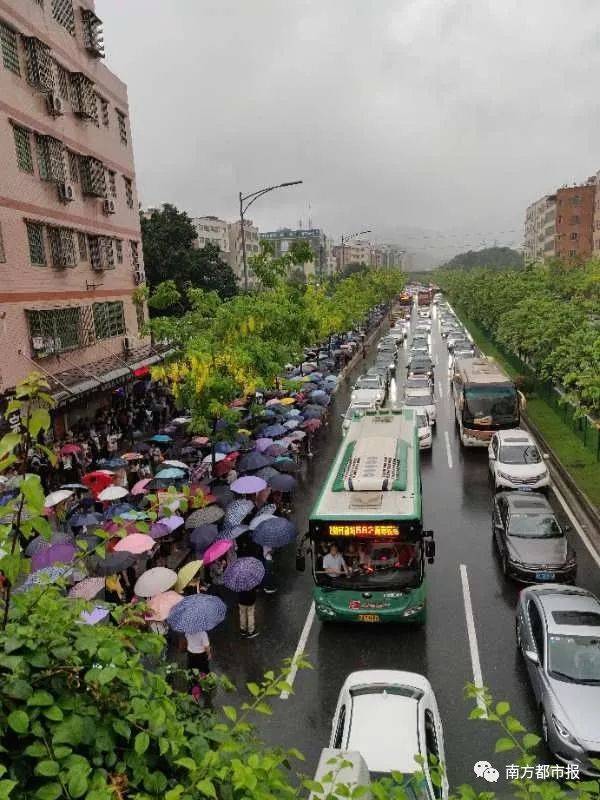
(522, 401)
(430, 551)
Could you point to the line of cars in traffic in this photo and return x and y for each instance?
(557, 627)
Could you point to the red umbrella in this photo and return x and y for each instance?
(311, 425)
(69, 449)
(98, 480)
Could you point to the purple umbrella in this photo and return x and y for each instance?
(244, 574)
(274, 450)
(275, 430)
(291, 424)
(276, 532)
(203, 536)
(172, 523)
(158, 530)
(248, 484)
(57, 554)
(97, 614)
(37, 545)
(283, 483)
(196, 613)
(252, 461)
(262, 443)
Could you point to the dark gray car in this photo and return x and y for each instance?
(558, 634)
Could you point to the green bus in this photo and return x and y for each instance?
(366, 536)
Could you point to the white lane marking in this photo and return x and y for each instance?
(310, 618)
(448, 450)
(582, 534)
(440, 390)
(472, 634)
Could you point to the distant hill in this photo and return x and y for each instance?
(494, 257)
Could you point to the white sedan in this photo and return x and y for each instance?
(421, 400)
(390, 717)
(515, 462)
(424, 430)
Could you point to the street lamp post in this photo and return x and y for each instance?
(243, 208)
(346, 238)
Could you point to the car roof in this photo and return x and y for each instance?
(516, 435)
(522, 503)
(566, 610)
(383, 724)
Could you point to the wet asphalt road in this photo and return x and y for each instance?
(457, 506)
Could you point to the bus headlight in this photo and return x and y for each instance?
(325, 611)
(410, 612)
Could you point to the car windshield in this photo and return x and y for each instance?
(487, 404)
(575, 658)
(519, 454)
(534, 526)
(422, 421)
(368, 564)
(367, 383)
(419, 400)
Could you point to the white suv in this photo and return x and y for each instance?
(515, 462)
(390, 717)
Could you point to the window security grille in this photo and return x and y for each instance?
(10, 49)
(122, 126)
(109, 320)
(39, 64)
(62, 11)
(83, 250)
(57, 330)
(119, 247)
(35, 237)
(104, 112)
(135, 257)
(23, 148)
(51, 161)
(63, 80)
(62, 247)
(93, 178)
(101, 252)
(83, 96)
(73, 166)
(112, 180)
(93, 38)
(129, 192)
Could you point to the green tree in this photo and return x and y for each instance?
(494, 257)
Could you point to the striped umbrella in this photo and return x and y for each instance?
(244, 574)
(196, 613)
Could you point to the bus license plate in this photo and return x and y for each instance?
(544, 576)
(368, 617)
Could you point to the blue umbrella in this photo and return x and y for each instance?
(170, 473)
(203, 536)
(244, 574)
(311, 413)
(135, 515)
(197, 613)
(87, 520)
(112, 463)
(293, 412)
(161, 438)
(275, 532)
(291, 424)
(116, 510)
(225, 448)
(275, 430)
(313, 408)
(252, 461)
(283, 483)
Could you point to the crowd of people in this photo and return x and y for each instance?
(189, 526)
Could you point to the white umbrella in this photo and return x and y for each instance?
(182, 420)
(54, 498)
(112, 493)
(218, 457)
(176, 464)
(154, 581)
(254, 523)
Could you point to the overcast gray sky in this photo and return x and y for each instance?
(415, 118)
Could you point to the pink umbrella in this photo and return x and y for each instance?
(200, 440)
(140, 486)
(161, 604)
(216, 550)
(312, 425)
(136, 543)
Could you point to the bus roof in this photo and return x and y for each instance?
(480, 371)
(375, 474)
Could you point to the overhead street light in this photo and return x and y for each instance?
(346, 238)
(243, 208)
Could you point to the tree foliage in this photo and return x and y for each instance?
(492, 257)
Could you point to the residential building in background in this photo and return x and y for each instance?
(355, 252)
(316, 239)
(549, 228)
(535, 226)
(392, 256)
(575, 220)
(214, 231)
(596, 231)
(235, 258)
(70, 241)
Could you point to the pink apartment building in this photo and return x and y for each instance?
(70, 242)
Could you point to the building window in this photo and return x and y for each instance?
(574, 236)
(135, 257)
(128, 191)
(23, 146)
(104, 112)
(55, 330)
(109, 320)
(73, 166)
(119, 248)
(39, 64)
(93, 178)
(51, 162)
(10, 49)
(112, 182)
(572, 252)
(82, 243)
(122, 126)
(62, 247)
(62, 78)
(576, 200)
(101, 252)
(62, 11)
(83, 96)
(2, 253)
(574, 220)
(141, 317)
(35, 236)
(92, 33)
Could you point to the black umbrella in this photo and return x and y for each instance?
(282, 483)
(223, 494)
(114, 562)
(286, 465)
(252, 461)
(203, 536)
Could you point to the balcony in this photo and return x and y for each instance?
(93, 36)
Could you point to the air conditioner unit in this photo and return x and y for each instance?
(66, 192)
(55, 104)
(139, 277)
(108, 206)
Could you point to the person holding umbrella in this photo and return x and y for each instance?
(243, 577)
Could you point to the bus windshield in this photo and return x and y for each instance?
(367, 564)
(486, 405)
